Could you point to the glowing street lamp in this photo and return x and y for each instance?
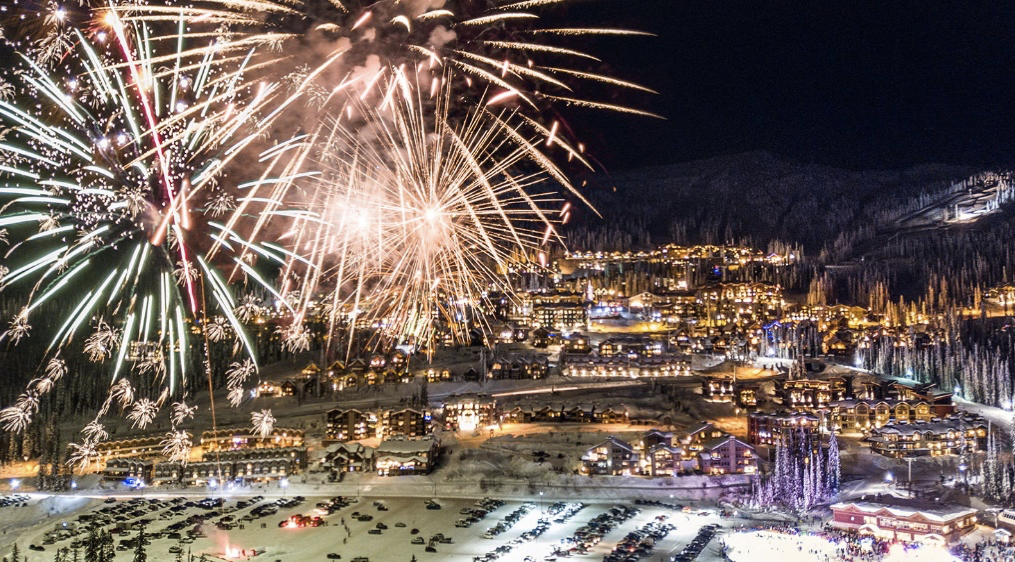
(283, 483)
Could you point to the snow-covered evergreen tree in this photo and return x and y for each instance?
(834, 471)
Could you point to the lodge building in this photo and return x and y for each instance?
(904, 520)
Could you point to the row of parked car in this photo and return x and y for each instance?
(565, 513)
(559, 509)
(692, 550)
(509, 521)
(477, 513)
(588, 535)
(639, 544)
(14, 500)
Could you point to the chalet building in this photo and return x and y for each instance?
(349, 425)
(803, 394)
(577, 343)
(567, 413)
(599, 367)
(354, 424)
(664, 365)
(466, 412)
(559, 311)
(727, 455)
(167, 473)
(267, 389)
(697, 437)
(717, 389)
(287, 388)
(518, 414)
(378, 368)
(739, 303)
(543, 337)
(862, 415)
(611, 457)
(904, 520)
(610, 414)
(666, 460)
(841, 342)
(772, 429)
(631, 347)
(670, 306)
(206, 472)
(256, 465)
(245, 460)
(746, 396)
(1003, 294)
(668, 365)
(243, 438)
(135, 448)
(267, 468)
(435, 375)
(659, 457)
(120, 469)
(396, 457)
(654, 437)
(410, 422)
(907, 391)
(523, 367)
(954, 435)
(348, 457)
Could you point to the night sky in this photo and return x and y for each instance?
(879, 84)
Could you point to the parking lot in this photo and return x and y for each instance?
(382, 530)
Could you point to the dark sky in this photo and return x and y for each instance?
(878, 84)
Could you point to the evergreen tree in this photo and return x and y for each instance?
(139, 551)
(108, 550)
(834, 471)
(93, 548)
(15, 554)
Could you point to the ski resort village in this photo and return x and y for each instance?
(673, 404)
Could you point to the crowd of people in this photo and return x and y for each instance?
(986, 551)
(788, 544)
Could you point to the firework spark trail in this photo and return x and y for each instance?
(415, 216)
(347, 49)
(84, 161)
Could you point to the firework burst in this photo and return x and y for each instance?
(101, 172)
(414, 217)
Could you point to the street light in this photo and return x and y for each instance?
(540, 503)
(15, 483)
(283, 483)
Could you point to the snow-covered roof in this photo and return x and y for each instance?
(940, 514)
(404, 446)
(719, 441)
(936, 427)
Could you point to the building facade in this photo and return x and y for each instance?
(611, 457)
(772, 429)
(398, 457)
(727, 455)
(467, 412)
(949, 436)
(904, 521)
